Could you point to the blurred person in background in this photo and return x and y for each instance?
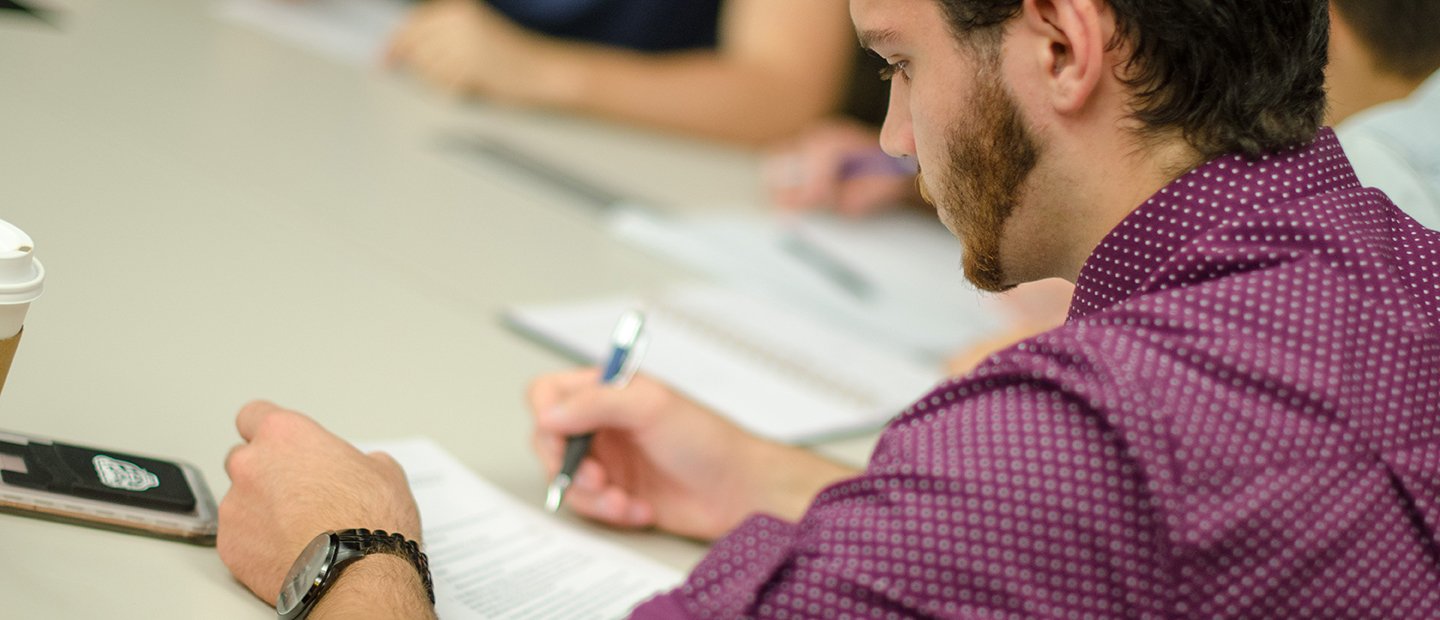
(743, 71)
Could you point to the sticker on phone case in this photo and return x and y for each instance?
(123, 475)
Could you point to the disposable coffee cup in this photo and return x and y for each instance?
(22, 279)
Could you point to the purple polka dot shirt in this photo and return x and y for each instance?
(1240, 419)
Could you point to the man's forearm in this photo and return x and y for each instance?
(376, 586)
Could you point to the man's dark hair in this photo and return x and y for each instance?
(1244, 76)
(1404, 35)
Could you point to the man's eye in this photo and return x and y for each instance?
(888, 72)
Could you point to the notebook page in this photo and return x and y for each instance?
(775, 372)
(493, 556)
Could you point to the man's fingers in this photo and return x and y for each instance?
(548, 450)
(591, 475)
(610, 505)
(386, 460)
(639, 514)
(233, 462)
(548, 391)
(597, 408)
(252, 416)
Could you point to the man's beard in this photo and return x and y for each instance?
(990, 156)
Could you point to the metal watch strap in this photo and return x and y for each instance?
(380, 541)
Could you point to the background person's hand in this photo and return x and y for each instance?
(837, 165)
(466, 48)
(292, 480)
(660, 460)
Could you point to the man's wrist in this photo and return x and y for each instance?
(796, 476)
(379, 585)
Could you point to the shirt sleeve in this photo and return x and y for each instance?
(1000, 495)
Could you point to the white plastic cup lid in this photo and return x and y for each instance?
(22, 277)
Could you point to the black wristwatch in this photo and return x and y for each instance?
(322, 560)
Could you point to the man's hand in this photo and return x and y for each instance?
(292, 480)
(811, 172)
(659, 460)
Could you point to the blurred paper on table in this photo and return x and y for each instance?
(351, 31)
(775, 372)
(893, 278)
(493, 556)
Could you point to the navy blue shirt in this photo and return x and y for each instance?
(645, 25)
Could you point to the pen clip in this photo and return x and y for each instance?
(631, 365)
(627, 344)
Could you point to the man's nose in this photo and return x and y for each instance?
(897, 135)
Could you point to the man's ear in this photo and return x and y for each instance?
(1067, 41)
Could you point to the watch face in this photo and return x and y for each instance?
(306, 573)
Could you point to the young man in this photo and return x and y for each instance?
(1241, 417)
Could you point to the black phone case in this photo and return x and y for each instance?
(102, 475)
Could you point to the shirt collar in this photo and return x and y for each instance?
(1200, 200)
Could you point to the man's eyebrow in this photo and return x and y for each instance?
(871, 38)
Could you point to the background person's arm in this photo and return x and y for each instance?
(778, 66)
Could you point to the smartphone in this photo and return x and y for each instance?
(104, 488)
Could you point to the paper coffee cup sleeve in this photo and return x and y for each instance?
(7, 354)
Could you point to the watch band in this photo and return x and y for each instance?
(379, 541)
(327, 556)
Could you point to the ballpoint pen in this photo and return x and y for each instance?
(626, 348)
(875, 162)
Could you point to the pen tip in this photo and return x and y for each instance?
(556, 493)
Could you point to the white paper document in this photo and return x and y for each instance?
(774, 371)
(351, 31)
(493, 556)
(893, 278)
